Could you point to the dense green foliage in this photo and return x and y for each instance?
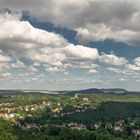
(50, 133)
(57, 133)
(107, 111)
(6, 131)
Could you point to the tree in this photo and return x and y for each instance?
(6, 131)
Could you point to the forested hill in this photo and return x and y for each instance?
(116, 91)
(113, 91)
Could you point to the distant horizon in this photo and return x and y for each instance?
(50, 90)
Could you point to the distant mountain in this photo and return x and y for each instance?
(118, 91)
(113, 91)
(86, 91)
(8, 91)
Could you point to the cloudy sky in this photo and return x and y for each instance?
(69, 44)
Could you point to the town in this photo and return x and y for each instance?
(76, 112)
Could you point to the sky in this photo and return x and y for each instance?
(68, 45)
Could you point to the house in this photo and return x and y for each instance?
(56, 110)
(32, 125)
(85, 99)
(97, 126)
(136, 132)
(118, 128)
(119, 125)
(108, 126)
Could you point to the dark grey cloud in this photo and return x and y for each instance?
(118, 17)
